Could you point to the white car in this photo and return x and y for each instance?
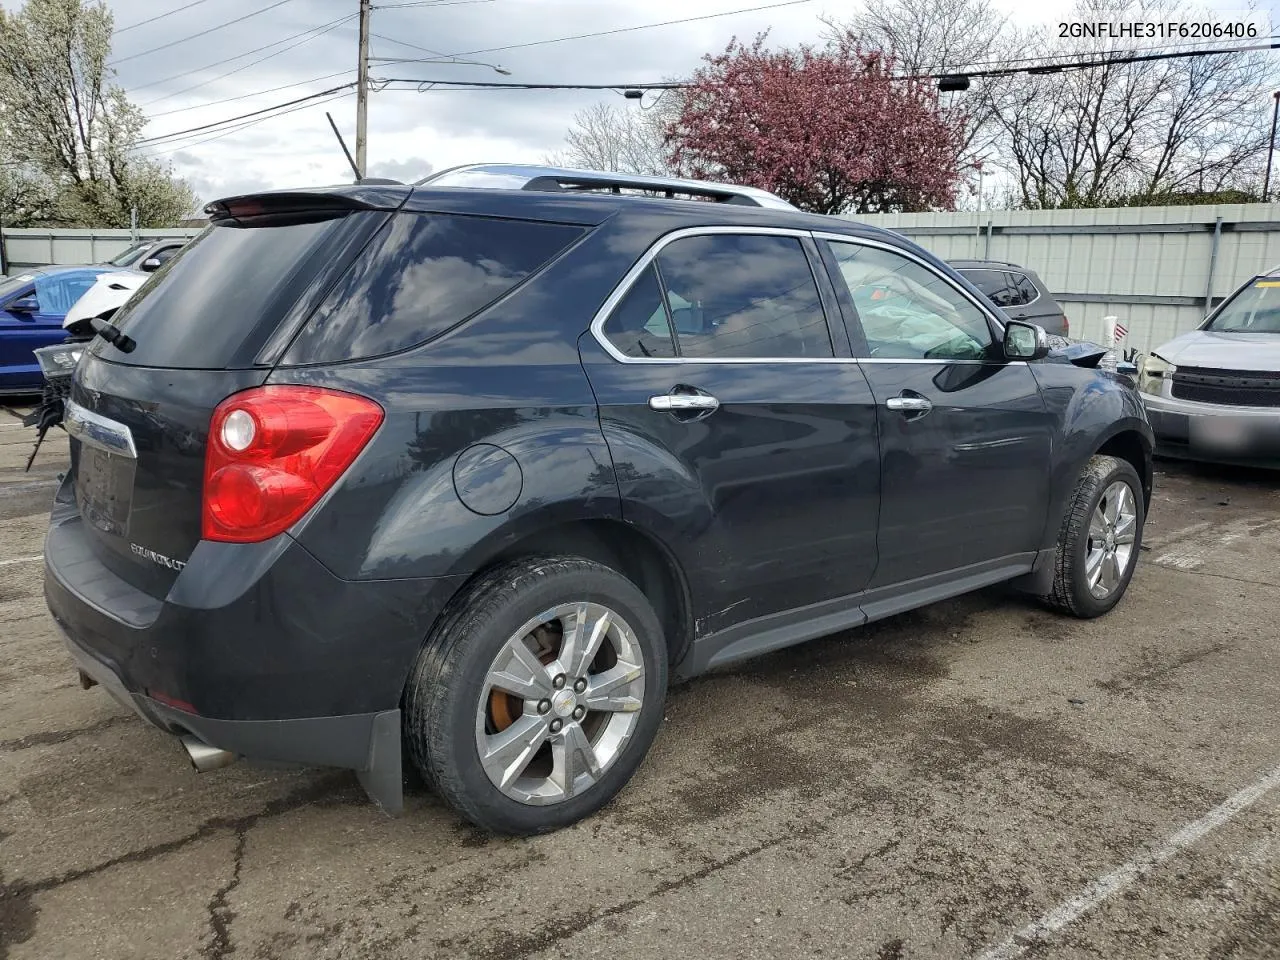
(1214, 393)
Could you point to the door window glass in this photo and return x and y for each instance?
(907, 311)
(743, 296)
(639, 326)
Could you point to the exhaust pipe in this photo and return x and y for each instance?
(204, 757)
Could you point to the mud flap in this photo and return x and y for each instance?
(381, 777)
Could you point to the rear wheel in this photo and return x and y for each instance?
(539, 695)
(1100, 539)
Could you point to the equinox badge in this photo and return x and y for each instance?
(158, 558)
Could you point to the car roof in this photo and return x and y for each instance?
(587, 208)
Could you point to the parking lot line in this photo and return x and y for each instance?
(5, 563)
(1104, 888)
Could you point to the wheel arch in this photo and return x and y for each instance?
(622, 546)
(1134, 447)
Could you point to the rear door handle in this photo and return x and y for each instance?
(909, 404)
(681, 402)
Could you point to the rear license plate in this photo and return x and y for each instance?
(104, 489)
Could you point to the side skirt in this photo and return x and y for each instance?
(766, 634)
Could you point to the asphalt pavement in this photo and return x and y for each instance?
(980, 778)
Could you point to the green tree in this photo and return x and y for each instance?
(68, 132)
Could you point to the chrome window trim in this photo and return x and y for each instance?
(98, 431)
(628, 281)
(646, 259)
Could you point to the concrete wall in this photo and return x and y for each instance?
(40, 246)
(1153, 267)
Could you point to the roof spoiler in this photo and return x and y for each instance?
(335, 200)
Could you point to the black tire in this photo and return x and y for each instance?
(1071, 593)
(448, 680)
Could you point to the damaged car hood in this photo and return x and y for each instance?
(1225, 351)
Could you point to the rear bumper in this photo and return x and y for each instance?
(368, 743)
(257, 649)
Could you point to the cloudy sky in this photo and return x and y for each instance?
(183, 83)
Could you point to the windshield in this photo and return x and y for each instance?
(126, 258)
(1255, 309)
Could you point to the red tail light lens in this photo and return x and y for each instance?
(1066, 325)
(273, 452)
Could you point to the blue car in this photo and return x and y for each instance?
(33, 305)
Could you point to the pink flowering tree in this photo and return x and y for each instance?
(830, 130)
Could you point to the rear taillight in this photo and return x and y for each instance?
(1066, 325)
(273, 452)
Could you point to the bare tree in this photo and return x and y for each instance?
(1133, 133)
(621, 140)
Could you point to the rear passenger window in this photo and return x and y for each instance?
(639, 326)
(1027, 291)
(996, 284)
(421, 275)
(743, 296)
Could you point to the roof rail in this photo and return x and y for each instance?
(507, 176)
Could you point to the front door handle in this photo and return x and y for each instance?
(684, 402)
(909, 404)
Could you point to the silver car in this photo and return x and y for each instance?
(1214, 393)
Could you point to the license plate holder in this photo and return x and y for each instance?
(104, 489)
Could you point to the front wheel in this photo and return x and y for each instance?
(539, 694)
(1100, 539)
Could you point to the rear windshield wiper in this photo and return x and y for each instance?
(111, 333)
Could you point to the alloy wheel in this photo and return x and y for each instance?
(1113, 531)
(559, 703)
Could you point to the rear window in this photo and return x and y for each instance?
(422, 275)
(215, 306)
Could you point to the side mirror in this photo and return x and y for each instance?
(1025, 341)
(24, 305)
(151, 263)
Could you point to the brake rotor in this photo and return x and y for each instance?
(504, 707)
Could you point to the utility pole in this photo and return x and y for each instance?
(1271, 147)
(362, 93)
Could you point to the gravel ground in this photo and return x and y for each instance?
(979, 778)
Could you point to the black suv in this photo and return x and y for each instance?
(475, 468)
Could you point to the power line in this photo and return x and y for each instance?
(315, 32)
(1060, 67)
(1105, 61)
(244, 116)
(143, 23)
(609, 33)
(406, 43)
(965, 68)
(238, 56)
(497, 85)
(248, 96)
(174, 43)
(427, 3)
(242, 126)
